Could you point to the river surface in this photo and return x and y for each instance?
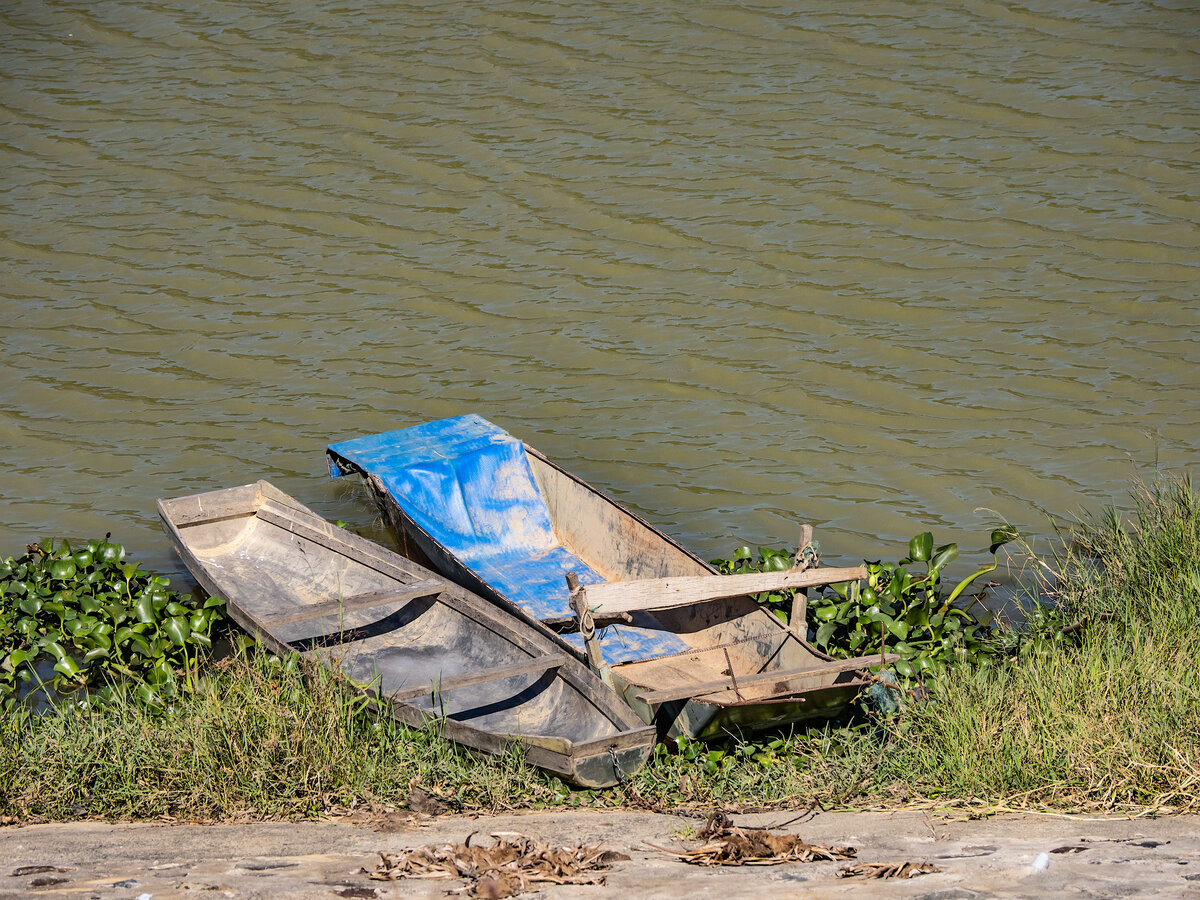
(880, 267)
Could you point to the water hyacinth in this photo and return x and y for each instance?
(92, 619)
(894, 609)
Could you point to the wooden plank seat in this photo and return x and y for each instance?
(369, 600)
(537, 664)
(615, 598)
(747, 681)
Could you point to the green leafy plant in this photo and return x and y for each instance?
(710, 760)
(768, 560)
(94, 620)
(909, 613)
(895, 609)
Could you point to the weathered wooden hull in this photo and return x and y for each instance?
(707, 717)
(426, 651)
(713, 639)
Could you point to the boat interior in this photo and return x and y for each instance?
(306, 585)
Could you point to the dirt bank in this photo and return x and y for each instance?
(977, 859)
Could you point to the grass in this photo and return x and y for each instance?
(1107, 721)
(257, 740)
(260, 741)
(1100, 715)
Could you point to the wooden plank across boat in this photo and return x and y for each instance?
(687, 648)
(432, 653)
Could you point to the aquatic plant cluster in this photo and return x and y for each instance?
(73, 619)
(894, 609)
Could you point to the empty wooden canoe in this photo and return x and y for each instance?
(496, 516)
(433, 654)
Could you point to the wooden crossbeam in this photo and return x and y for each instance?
(445, 685)
(615, 597)
(367, 600)
(699, 689)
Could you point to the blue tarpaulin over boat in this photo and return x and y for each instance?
(468, 485)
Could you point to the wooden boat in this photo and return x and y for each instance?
(431, 653)
(687, 648)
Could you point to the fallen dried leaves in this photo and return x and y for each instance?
(887, 870)
(729, 845)
(505, 869)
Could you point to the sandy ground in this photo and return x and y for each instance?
(978, 859)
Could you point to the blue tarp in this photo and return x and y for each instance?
(467, 483)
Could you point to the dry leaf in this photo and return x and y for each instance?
(729, 845)
(507, 868)
(887, 870)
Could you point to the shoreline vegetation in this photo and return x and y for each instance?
(1093, 707)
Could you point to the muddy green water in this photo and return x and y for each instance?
(874, 266)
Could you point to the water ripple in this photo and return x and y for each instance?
(742, 265)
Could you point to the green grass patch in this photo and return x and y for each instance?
(260, 739)
(1101, 708)
(257, 739)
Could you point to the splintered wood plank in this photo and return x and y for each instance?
(356, 602)
(213, 506)
(615, 597)
(442, 686)
(700, 688)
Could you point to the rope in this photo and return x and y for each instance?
(587, 625)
